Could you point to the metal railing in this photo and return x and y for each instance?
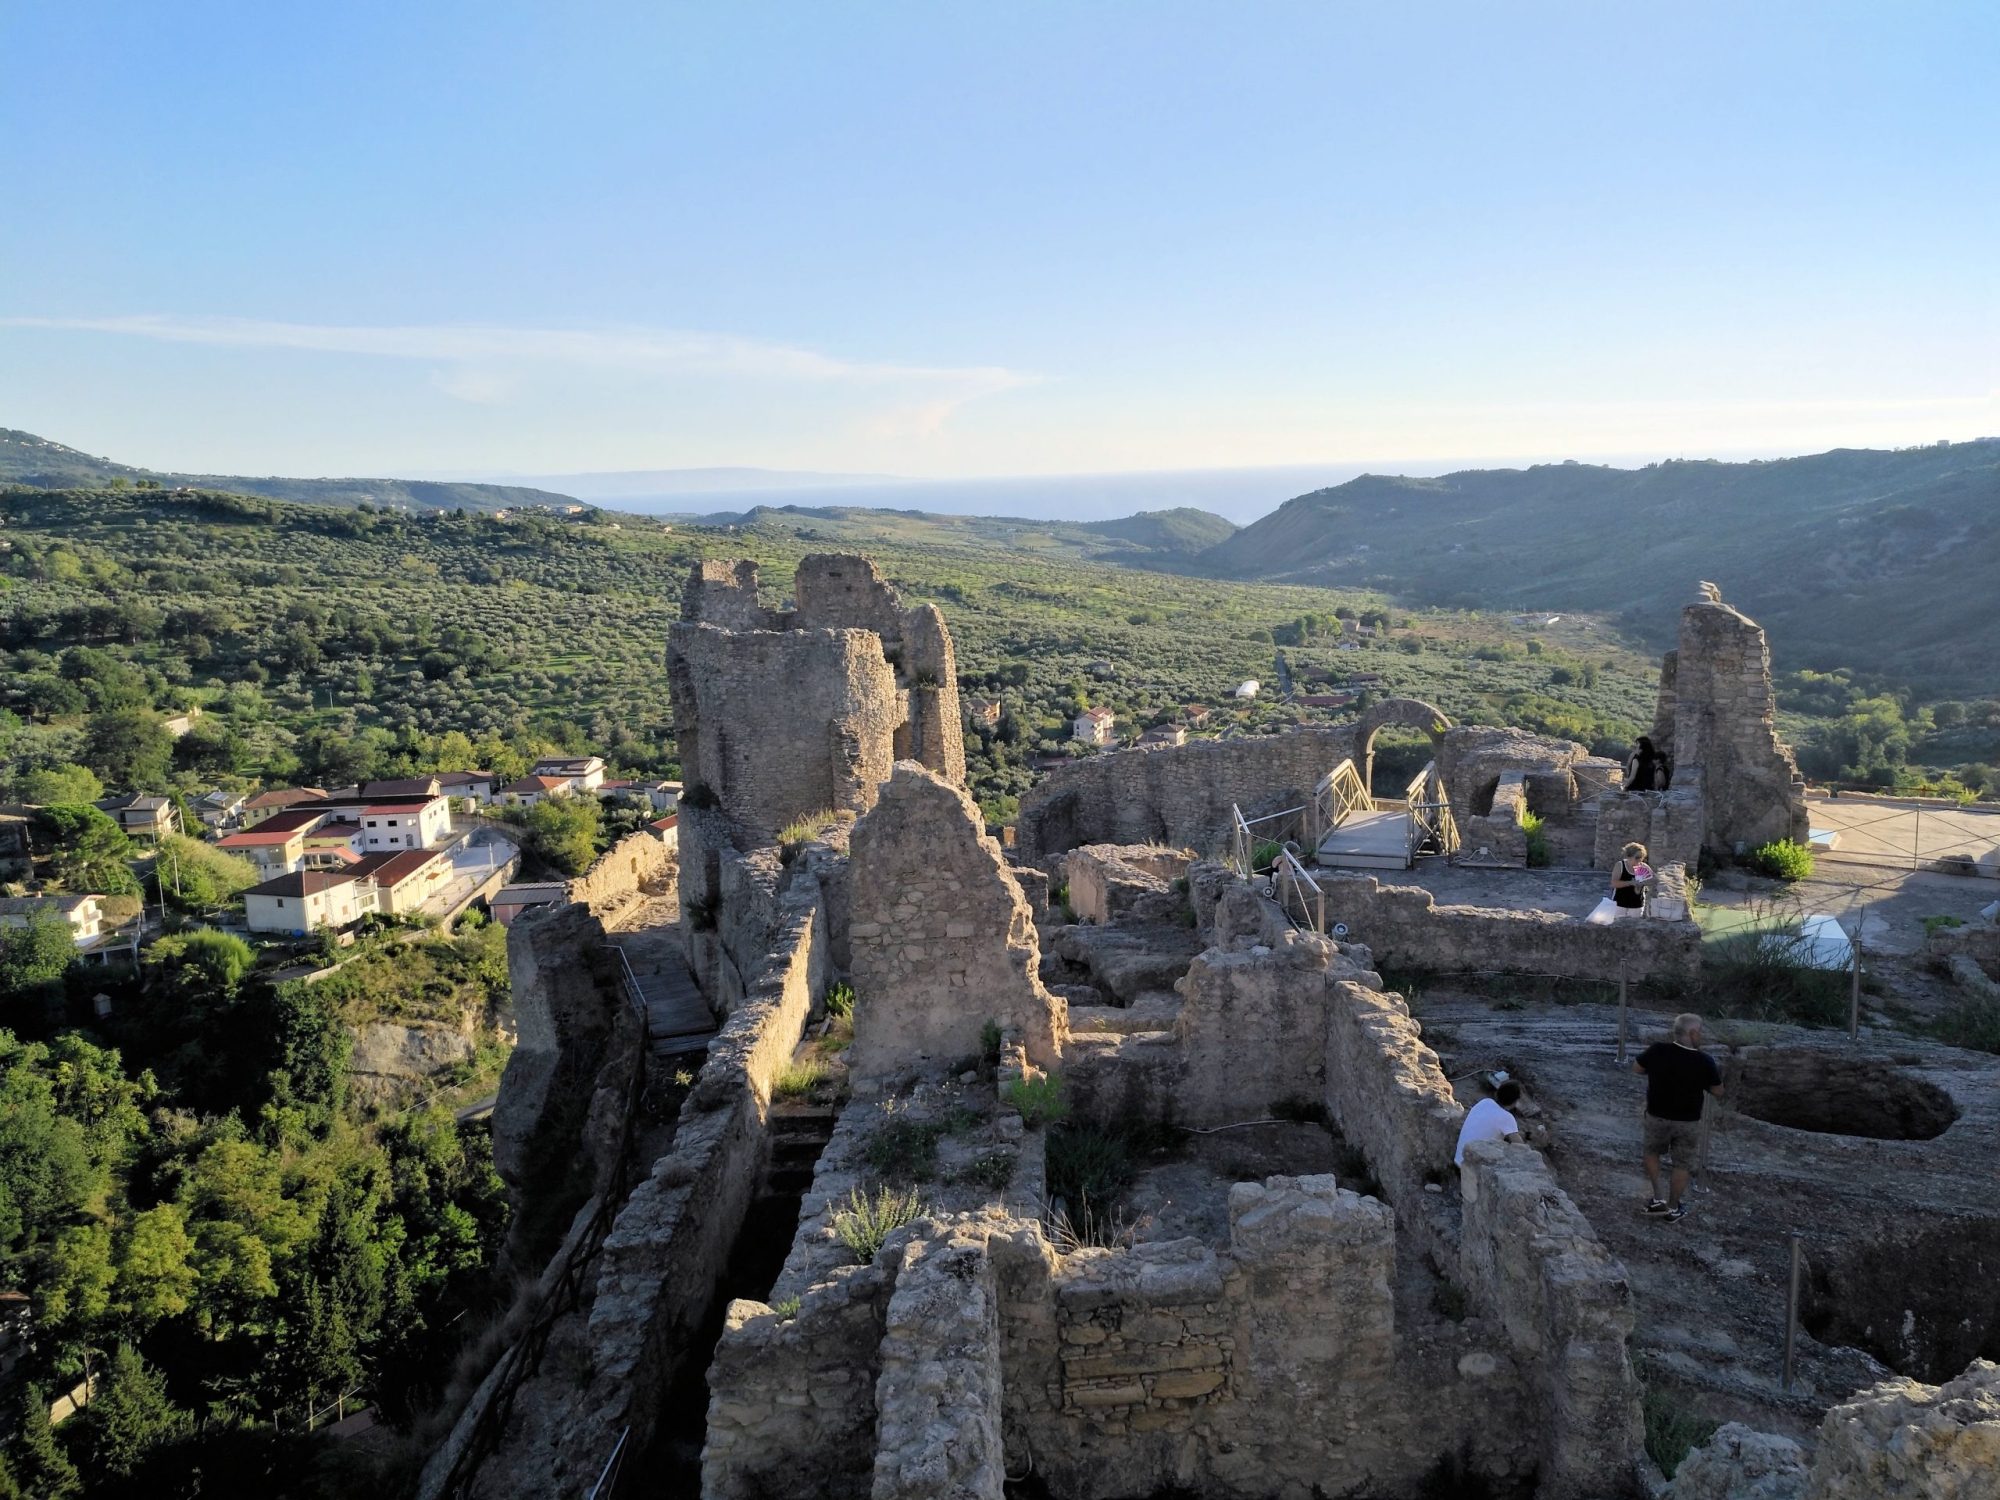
(1339, 795)
(607, 1479)
(1433, 830)
(1248, 836)
(1298, 895)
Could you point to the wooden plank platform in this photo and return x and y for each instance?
(1368, 841)
(677, 1017)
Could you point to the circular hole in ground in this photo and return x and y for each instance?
(1806, 1088)
(1924, 1300)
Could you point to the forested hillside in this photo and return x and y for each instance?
(29, 460)
(1882, 562)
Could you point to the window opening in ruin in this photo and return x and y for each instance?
(1398, 755)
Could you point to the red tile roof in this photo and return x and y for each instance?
(259, 837)
(303, 883)
(389, 870)
(286, 797)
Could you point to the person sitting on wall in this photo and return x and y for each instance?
(1677, 1074)
(1628, 881)
(1490, 1120)
(1645, 768)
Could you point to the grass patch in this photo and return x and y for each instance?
(1673, 1429)
(798, 1079)
(1752, 975)
(796, 834)
(1039, 1100)
(1938, 924)
(1972, 1023)
(992, 1172)
(787, 1309)
(865, 1224)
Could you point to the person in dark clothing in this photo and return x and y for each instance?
(1678, 1074)
(1628, 881)
(1645, 768)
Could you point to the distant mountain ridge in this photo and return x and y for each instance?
(1883, 560)
(26, 459)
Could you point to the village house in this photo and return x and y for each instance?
(664, 795)
(415, 821)
(277, 845)
(584, 773)
(220, 810)
(532, 789)
(403, 882)
(1163, 734)
(83, 914)
(143, 817)
(1094, 726)
(1194, 715)
(265, 804)
(180, 723)
(406, 786)
(511, 900)
(333, 845)
(983, 711)
(306, 900)
(468, 786)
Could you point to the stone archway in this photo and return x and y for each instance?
(1406, 713)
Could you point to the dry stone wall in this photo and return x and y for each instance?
(1529, 1258)
(1179, 795)
(941, 938)
(1386, 1092)
(1110, 882)
(1405, 928)
(624, 870)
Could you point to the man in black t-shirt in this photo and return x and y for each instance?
(1678, 1074)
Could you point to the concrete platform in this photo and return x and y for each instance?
(1912, 835)
(1369, 841)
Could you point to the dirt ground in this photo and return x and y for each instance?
(1188, 1193)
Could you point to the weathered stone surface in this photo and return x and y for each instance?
(388, 1057)
(1725, 726)
(938, 1397)
(1111, 882)
(1180, 795)
(1740, 1464)
(1386, 1091)
(941, 937)
(1405, 927)
(1903, 1440)
(1529, 1257)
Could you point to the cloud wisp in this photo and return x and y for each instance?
(476, 349)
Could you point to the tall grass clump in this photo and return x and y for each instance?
(1537, 835)
(865, 1224)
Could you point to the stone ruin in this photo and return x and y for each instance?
(1309, 1300)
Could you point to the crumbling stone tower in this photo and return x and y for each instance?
(785, 713)
(1717, 716)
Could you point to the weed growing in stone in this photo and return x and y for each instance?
(1039, 1100)
(798, 1079)
(1972, 1023)
(787, 1309)
(904, 1150)
(1673, 1429)
(865, 1224)
(840, 1001)
(990, 1039)
(992, 1171)
(1538, 839)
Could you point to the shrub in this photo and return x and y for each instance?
(990, 1040)
(787, 1309)
(1265, 854)
(840, 1001)
(1673, 1429)
(1756, 975)
(1973, 1024)
(992, 1171)
(1538, 839)
(904, 1150)
(1039, 1100)
(1089, 1168)
(865, 1224)
(1938, 924)
(1784, 859)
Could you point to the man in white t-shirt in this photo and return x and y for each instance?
(1490, 1120)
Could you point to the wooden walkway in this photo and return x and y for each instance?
(677, 1017)
(1369, 841)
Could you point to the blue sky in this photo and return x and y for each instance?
(994, 238)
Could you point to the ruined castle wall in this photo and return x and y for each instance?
(668, 1247)
(1386, 1092)
(1725, 722)
(934, 733)
(938, 1398)
(780, 725)
(724, 594)
(1404, 927)
(796, 1396)
(622, 871)
(1252, 1029)
(942, 939)
(566, 1004)
(1668, 823)
(1108, 882)
(1529, 1258)
(1472, 759)
(1129, 1371)
(1179, 795)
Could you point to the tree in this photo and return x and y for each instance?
(211, 747)
(156, 1275)
(47, 696)
(130, 1414)
(34, 958)
(562, 832)
(202, 964)
(41, 1466)
(197, 877)
(130, 748)
(60, 783)
(46, 1171)
(313, 1047)
(92, 852)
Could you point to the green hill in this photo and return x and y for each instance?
(1180, 531)
(36, 462)
(1881, 561)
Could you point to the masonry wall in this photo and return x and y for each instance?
(941, 938)
(1109, 882)
(1725, 723)
(1179, 795)
(1530, 1259)
(1386, 1092)
(1404, 927)
(624, 870)
(1668, 823)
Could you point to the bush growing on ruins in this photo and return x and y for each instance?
(990, 1040)
(1537, 835)
(1089, 1168)
(1784, 859)
(904, 1150)
(1673, 1429)
(840, 1000)
(797, 1079)
(992, 1171)
(865, 1224)
(1039, 1100)
(1974, 1023)
(787, 1309)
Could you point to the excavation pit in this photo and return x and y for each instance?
(1807, 1088)
(1925, 1301)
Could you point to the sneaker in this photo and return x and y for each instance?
(1678, 1212)
(1656, 1206)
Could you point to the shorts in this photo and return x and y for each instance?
(1679, 1139)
